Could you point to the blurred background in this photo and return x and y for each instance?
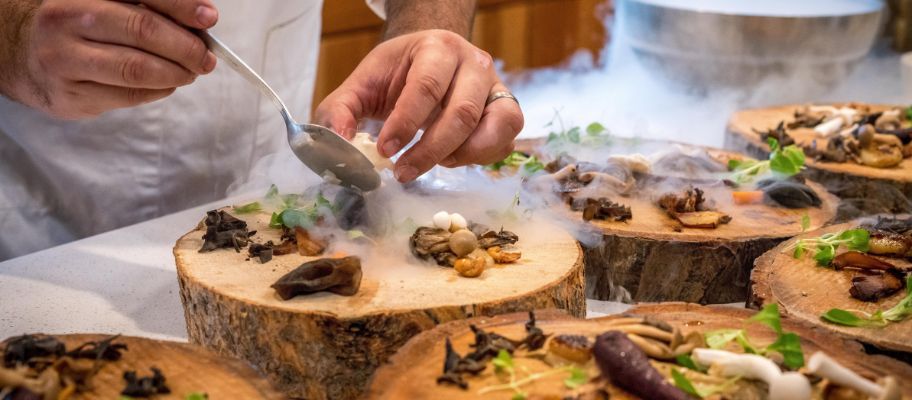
(665, 68)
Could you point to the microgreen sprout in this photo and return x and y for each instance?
(783, 161)
(879, 319)
(504, 365)
(824, 247)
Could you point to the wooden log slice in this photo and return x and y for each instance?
(187, 369)
(805, 291)
(411, 373)
(653, 260)
(327, 346)
(863, 189)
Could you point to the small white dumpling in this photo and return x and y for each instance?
(367, 146)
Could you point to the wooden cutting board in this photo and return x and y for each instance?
(863, 189)
(187, 369)
(411, 373)
(805, 291)
(650, 259)
(327, 346)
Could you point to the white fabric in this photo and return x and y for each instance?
(63, 180)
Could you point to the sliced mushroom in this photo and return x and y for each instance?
(859, 260)
(883, 151)
(505, 254)
(889, 120)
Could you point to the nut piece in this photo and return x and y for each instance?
(504, 255)
(469, 267)
(442, 220)
(463, 242)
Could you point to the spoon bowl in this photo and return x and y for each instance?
(323, 151)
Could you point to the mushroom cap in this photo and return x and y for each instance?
(463, 242)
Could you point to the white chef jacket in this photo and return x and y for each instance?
(62, 180)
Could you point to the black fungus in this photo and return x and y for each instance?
(224, 231)
(341, 276)
(535, 337)
(101, 350)
(626, 366)
(350, 209)
(263, 252)
(488, 344)
(145, 386)
(455, 365)
(20, 349)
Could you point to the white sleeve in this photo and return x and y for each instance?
(377, 7)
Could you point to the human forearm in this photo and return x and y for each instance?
(406, 16)
(14, 21)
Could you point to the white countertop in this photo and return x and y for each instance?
(123, 281)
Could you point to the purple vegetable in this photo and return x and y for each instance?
(622, 362)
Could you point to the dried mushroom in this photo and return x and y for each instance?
(224, 231)
(146, 386)
(427, 242)
(308, 245)
(873, 286)
(691, 210)
(505, 254)
(341, 276)
(497, 238)
(601, 209)
(101, 350)
(779, 133)
(21, 349)
(576, 348)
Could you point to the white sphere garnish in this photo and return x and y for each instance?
(442, 220)
(457, 222)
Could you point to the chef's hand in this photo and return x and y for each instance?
(431, 79)
(80, 58)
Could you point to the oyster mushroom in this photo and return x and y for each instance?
(879, 150)
(463, 242)
(337, 275)
(784, 386)
(825, 367)
(497, 238)
(426, 242)
(888, 120)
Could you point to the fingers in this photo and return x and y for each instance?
(106, 98)
(458, 119)
(122, 66)
(340, 111)
(493, 139)
(426, 84)
(144, 29)
(200, 14)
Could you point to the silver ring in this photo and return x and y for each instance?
(500, 95)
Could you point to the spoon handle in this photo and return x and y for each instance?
(237, 64)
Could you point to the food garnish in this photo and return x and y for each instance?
(145, 386)
(691, 210)
(783, 161)
(341, 276)
(40, 367)
(525, 163)
(823, 248)
(601, 209)
(223, 230)
(879, 319)
(467, 247)
(787, 344)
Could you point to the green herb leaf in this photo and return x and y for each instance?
(552, 136)
(273, 192)
(769, 316)
(355, 234)
(908, 113)
(519, 396)
(595, 129)
(248, 208)
(683, 383)
(503, 361)
(574, 134)
(805, 224)
(685, 360)
(857, 239)
(787, 161)
(719, 338)
(825, 254)
(197, 396)
(847, 318)
(276, 220)
(578, 377)
(789, 345)
(772, 143)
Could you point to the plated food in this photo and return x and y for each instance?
(678, 222)
(328, 287)
(62, 367)
(852, 279)
(861, 152)
(662, 351)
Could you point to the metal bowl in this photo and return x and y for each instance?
(738, 43)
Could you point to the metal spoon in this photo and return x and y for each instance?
(319, 148)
